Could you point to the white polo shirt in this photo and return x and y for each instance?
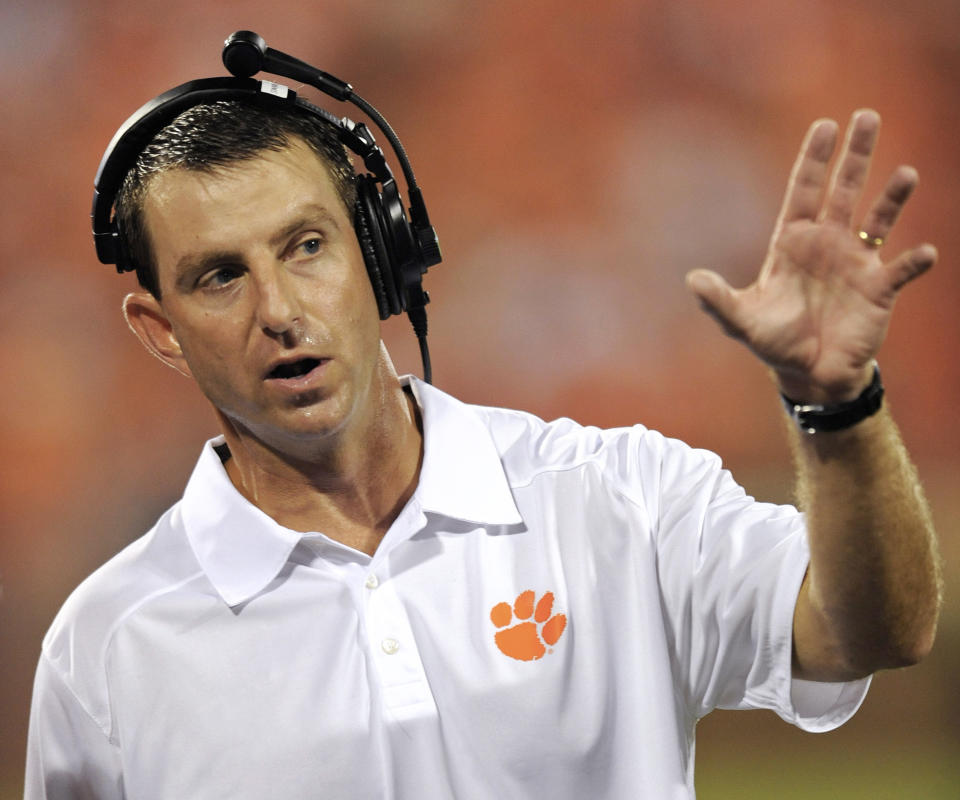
(549, 616)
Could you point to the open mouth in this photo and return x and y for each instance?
(295, 369)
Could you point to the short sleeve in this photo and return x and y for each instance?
(730, 570)
(69, 757)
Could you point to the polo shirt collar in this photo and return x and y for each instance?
(241, 549)
(461, 475)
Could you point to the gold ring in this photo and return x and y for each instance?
(870, 241)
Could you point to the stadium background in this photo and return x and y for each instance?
(578, 159)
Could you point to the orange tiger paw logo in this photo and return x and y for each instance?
(525, 640)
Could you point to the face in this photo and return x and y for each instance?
(265, 297)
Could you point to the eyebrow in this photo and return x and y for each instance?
(191, 265)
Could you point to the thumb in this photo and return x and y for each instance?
(718, 299)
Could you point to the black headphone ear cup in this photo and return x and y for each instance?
(370, 234)
(362, 227)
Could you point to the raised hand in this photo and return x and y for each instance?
(819, 309)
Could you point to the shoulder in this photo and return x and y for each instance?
(598, 465)
(530, 446)
(77, 643)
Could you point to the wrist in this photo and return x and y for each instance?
(800, 386)
(826, 417)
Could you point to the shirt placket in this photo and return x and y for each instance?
(405, 692)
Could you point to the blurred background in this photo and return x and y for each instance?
(577, 159)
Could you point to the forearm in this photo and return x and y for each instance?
(872, 593)
(817, 315)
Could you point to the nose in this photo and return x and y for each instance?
(278, 308)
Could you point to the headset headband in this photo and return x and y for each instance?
(145, 123)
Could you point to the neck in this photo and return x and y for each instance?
(351, 486)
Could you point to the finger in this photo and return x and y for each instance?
(808, 178)
(886, 210)
(853, 166)
(718, 299)
(909, 264)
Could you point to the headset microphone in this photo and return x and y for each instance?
(245, 53)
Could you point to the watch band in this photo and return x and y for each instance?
(817, 418)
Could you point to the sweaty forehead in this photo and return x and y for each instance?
(187, 211)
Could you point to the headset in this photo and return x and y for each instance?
(397, 251)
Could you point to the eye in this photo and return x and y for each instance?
(219, 277)
(308, 247)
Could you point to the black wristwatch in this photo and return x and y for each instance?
(817, 418)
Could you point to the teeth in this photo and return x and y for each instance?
(294, 369)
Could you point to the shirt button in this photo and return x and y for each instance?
(390, 646)
(372, 581)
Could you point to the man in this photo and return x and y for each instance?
(372, 590)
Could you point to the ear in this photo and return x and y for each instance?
(146, 319)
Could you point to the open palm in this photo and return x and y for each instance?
(820, 307)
